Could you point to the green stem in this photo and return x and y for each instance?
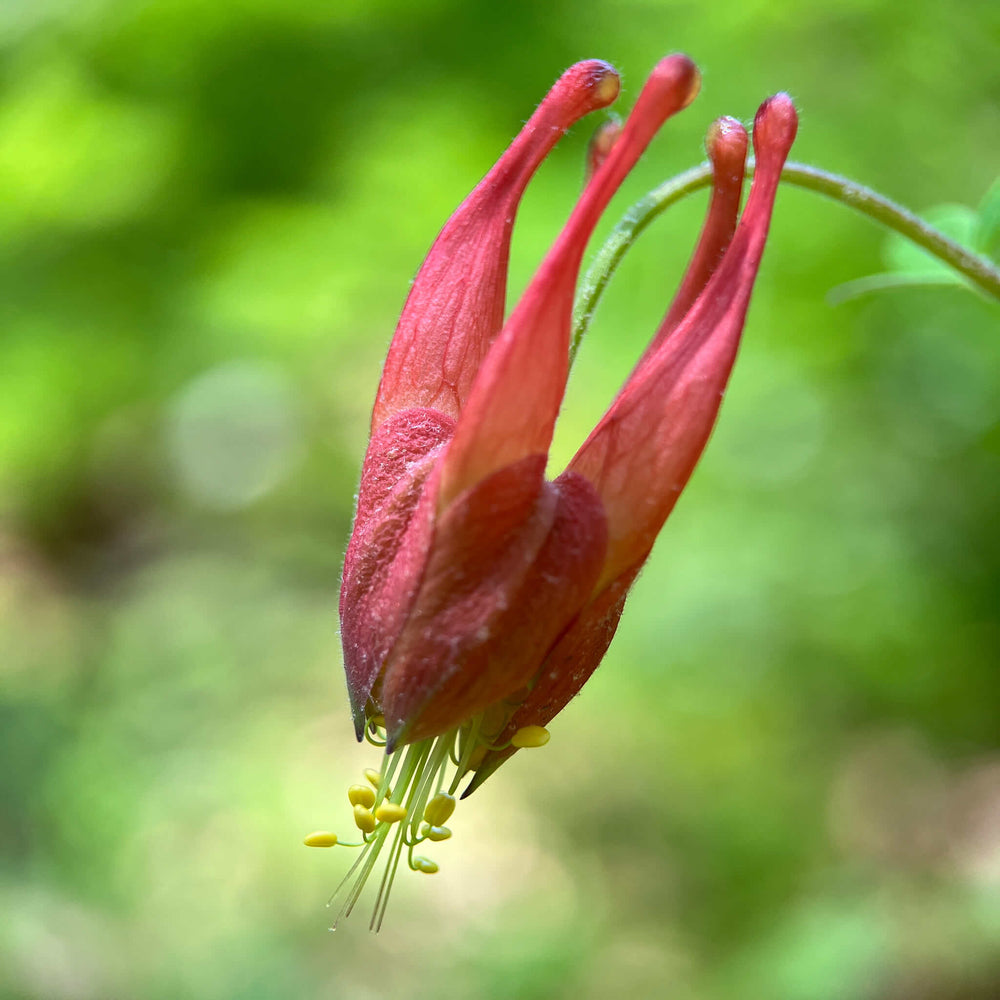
(978, 270)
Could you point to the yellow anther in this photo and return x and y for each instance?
(390, 812)
(374, 777)
(363, 819)
(439, 809)
(321, 838)
(424, 865)
(361, 795)
(437, 833)
(530, 736)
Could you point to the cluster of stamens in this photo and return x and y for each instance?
(409, 799)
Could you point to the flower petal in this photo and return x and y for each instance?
(726, 145)
(512, 406)
(513, 560)
(456, 305)
(392, 534)
(643, 451)
(565, 670)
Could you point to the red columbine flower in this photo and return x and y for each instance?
(478, 596)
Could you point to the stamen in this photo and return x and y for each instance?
(321, 838)
(417, 810)
(355, 893)
(389, 764)
(471, 739)
(347, 878)
(361, 795)
(364, 820)
(388, 877)
(530, 736)
(438, 811)
(389, 812)
(433, 775)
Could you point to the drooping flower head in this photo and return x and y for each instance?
(478, 596)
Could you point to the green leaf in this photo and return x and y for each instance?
(902, 256)
(986, 238)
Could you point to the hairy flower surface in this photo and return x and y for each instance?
(478, 596)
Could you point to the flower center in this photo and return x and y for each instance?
(407, 802)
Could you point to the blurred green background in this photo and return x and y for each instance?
(784, 782)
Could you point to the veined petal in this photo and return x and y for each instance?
(627, 452)
(643, 451)
(393, 530)
(565, 669)
(513, 561)
(456, 305)
(512, 406)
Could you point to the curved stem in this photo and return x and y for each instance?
(978, 270)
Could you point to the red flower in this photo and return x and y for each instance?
(478, 596)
